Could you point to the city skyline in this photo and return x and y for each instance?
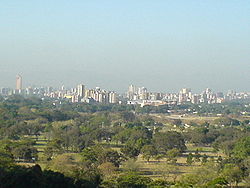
(134, 96)
(159, 44)
(81, 87)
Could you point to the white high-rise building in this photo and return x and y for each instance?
(185, 90)
(18, 82)
(81, 90)
(112, 97)
(143, 93)
(131, 92)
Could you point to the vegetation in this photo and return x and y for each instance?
(48, 144)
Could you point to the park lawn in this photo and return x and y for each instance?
(185, 119)
(163, 169)
(41, 142)
(65, 159)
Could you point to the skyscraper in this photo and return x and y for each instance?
(131, 92)
(112, 97)
(18, 82)
(81, 90)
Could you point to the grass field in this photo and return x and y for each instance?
(184, 118)
(163, 169)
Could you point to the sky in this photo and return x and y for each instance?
(164, 45)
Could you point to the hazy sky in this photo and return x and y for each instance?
(160, 44)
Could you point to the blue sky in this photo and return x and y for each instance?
(163, 45)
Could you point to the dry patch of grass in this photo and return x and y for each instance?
(184, 118)
(164, 169)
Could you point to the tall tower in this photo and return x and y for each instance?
(18, 82)
(131, 92)
(112, 97)
(81, 90)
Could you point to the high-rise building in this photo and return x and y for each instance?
(195, 99)
(112, 97)
(143, 93)
(18, 82)
(132, 91)
(81, 90)
(185, 90)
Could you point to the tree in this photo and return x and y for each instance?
(89, 154)
(131, 165)
(227, 121)
(242, 148)
(111, 156)
(172, 155)
(148, 151)
(177, 122)
(160, 183)
(219, 159)
(200, 177)
(25, 153)
(20, 176)
(217, 182)
(133, 180)
(108, 169)
(197, 156)
(169, 140)
(6, 159)
(24, 150)
(204, 159)
(159, 156)
(128, 116)
(232, 173)
(98, 155)
(190, 159)
(53, 148)
(63, 163)
(75, 138)
(130, 151)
